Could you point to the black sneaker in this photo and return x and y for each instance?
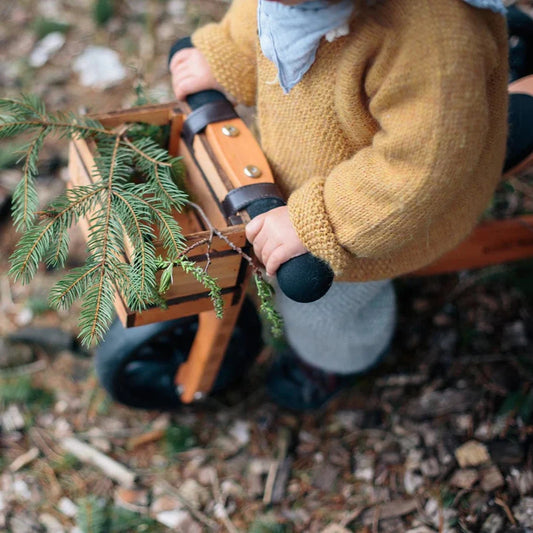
(294, 384)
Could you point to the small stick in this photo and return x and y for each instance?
(145, 438)
(220, 507)
(85, 453)
(25, 459)
(24, 370)
(501, 503)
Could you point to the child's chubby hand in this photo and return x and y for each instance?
(274, 238)
(190, 72)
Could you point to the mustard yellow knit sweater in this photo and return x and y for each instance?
(390, 147)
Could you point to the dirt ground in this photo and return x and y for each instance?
(437, 439)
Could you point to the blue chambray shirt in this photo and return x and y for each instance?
(290, 35)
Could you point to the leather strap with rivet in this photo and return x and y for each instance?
(239, 199)
(209, 113)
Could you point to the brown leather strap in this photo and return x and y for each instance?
(211, 112)
(240, 198)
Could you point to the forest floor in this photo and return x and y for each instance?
(438, 438)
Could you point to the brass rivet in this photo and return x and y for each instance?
(252, 171)
(230, 131)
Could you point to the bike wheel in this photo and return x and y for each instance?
(137, 366)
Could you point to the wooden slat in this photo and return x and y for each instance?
(158, 114)
(176, 125)
(177, 310)
(209, 169)
(491, 243)
(186, 296)
(224, 269)
(199, 372)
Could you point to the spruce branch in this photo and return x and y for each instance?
(25, 201)
(129, 206)
(265, 292)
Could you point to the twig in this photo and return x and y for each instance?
(55, 487)
(220, 235)
(350, 517)
(85, 453)
(278, 473)
(220, 507)
(24, 370)
(167, 487)
(38, 438)
(505, 507)
(375, 520)
(139, 440)
(25, 459)
(88, 399)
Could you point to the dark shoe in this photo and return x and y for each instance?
(293, 384)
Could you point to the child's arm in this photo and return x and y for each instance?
(436, 90)
(229, 49)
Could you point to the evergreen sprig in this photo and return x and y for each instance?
(265, 292)
(199, 273)
(122, 214)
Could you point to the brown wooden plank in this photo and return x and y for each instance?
(157, 114)
(198, 373)
(492, 242)
(224, 269)
(176, 125)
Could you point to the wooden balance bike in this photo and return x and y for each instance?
(162, 358)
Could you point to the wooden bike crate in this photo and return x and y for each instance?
(205, 186)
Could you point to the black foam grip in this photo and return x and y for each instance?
(304, 278)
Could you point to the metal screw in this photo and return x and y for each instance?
(252, 171)
(198, 395)
(179, 389)
(230, 131)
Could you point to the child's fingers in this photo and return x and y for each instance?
(274, 259)
(185, 86)
(179, 57)
(254, 227)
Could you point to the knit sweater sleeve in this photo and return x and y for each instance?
(229, 47)
(435, 87)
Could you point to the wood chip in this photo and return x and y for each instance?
(335, 528)
(491, 479)
(397, 508)
(465, 478)
(472, 453)
(325, 477)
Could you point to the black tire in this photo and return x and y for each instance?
(137, 366)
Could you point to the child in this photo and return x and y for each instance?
(385, 126)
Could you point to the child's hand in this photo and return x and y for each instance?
(190, 73)
(274, 238)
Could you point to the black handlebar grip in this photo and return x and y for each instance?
(304, 278)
